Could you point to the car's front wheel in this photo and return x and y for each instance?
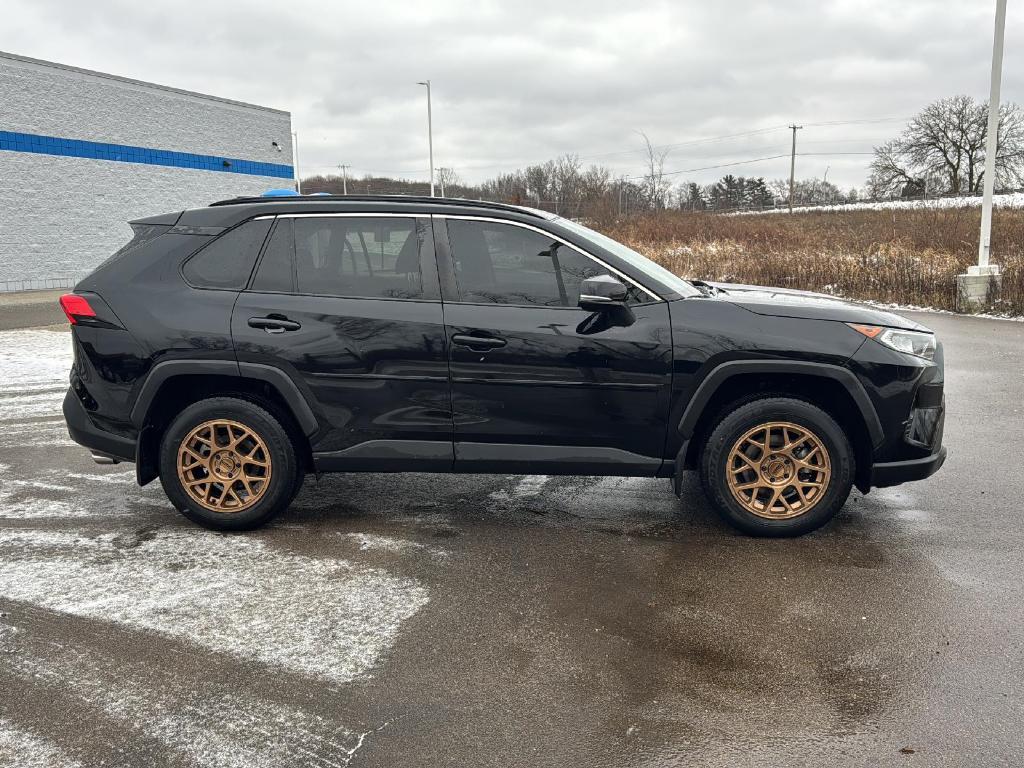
(777, 467)
(228, 464)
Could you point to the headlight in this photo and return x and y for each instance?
(912, 342)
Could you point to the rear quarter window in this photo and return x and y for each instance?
(141, 235)
(227, 262)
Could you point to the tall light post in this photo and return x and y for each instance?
(991, 139)
(430, 135)
(295, 161)
(344, 179)
(976, 285)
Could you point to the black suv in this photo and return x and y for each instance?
(229, 350)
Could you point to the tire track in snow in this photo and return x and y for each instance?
(326, 618)
(20, 748)
(196, 722)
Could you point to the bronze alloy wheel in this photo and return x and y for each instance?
(778, 470)
(224, 466)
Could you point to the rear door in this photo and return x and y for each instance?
(349, 307)
(539, 384)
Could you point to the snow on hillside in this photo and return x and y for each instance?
(1011, 200)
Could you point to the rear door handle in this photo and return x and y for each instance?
(274, 324)
(478, 342)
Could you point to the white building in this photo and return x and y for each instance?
(82, 153)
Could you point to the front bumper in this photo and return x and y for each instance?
(896, 472)
(85, 433)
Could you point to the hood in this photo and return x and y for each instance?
(784, 302)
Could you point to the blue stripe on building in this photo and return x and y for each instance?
(123, 153)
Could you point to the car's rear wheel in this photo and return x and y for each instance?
(777, 467)
(228, 464)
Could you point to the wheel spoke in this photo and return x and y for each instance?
(780, 483)
(233, 453)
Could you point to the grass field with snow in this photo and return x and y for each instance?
(903, 255)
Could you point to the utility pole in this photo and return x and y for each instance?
(792, 166)
(976, 285)
(430, 136)
(295, 161)
(344, 179)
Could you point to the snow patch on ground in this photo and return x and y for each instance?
(937, 311)
(1010, 200)
(204, 724)
(34, 359)
(325, 618)
(34, 366)
(525, 488)
(22, 749)
(35, 434)
(372, 542)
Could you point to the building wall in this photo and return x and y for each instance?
(63, 210)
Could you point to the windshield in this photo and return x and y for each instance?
(655, 271)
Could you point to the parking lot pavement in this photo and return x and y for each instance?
(473, 620)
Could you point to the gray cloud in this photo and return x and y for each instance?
(521, 83)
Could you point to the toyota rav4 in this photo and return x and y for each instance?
(230, 350)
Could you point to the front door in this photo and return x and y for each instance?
(350, 307)
(538, 384)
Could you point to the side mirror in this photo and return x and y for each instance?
(601, 292)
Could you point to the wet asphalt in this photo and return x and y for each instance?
(429, 620)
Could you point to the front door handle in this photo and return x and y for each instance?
(478, 342)
(274, 324)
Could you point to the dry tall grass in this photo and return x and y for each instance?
(897, 256)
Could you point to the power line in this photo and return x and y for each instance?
(670, 146)
(712, 167)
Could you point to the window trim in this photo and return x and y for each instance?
(462, 217)
(434, 288)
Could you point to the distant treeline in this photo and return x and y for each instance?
(564, 186)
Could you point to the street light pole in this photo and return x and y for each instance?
(295, 161)
(344, 179)
(991, 140)
(430, 136)
(976, 288)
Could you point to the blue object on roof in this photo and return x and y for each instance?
(280, 193)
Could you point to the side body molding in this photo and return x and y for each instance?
(706, 389)
(277, 378)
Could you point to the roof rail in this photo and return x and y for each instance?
(418, 199)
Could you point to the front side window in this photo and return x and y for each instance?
(505, 264)
(227, 261)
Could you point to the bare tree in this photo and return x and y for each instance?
(448, 179)
(656, 188)
(943, 149)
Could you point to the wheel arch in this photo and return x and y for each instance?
(834, 389)
(174, 384)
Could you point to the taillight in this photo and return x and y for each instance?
(75, 307)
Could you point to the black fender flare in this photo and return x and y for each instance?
(718, 375)
(281, 381)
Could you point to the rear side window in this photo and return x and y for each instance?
(358, 257)
(227, 262)
(141, 234)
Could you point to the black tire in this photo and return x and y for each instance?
(715, 460)
(285, 477)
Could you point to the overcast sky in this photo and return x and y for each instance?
(518, 83)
